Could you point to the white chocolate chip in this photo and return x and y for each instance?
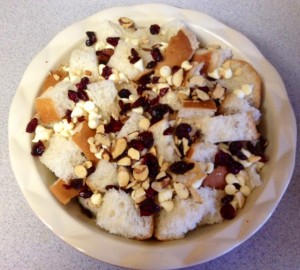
(77, 112)
(240, 199)
(214, 74)
(239, 93)
(80, 171)
(89, 106)
(230, 179)
(186, 65)
(139, 65)
(96, 199)
(247, 89)
(139, 110)
(230, 189)
(165, 71)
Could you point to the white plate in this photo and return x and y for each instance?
(200, 246)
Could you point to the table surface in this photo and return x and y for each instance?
(27, 26)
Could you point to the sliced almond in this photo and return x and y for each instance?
(197, 80)
(153, 151)
(165, 166)
(123, 177)
(80, 171)
(202, 95)
(238, 71)
(185, 144)
(133, 154)
(240, 199)
(100, 129)
(144, 124)
(161, 175)
(157, 186)
(106, 155)
(141, 172)
(119, 147)
(177, 78)
(137, 193)
(125, 161)
(254, 159)
(218, 93)
(88, 73)
(140, 199)
(93, 148)
(102, 139)
(167, 205)
(87, 164)
(145, 184)
(195, 195)
(133, 135)
(126, 22)
(181, 190)
(131, 184)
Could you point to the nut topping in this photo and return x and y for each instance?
(141, 172)
(80, 171)
(119, 147)
(181, 190)
(123, 177)
(126, 22)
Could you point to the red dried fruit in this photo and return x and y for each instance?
(38, 149)
(227, 211)
(146, 138)
(104, 55)
(216, 179)
(113, 41)
(106, 72)
(151, 64)
(183, 131)
(91, 38)
(168, 131)
(148, 207)
(124, 93)
(152, 163)
(154, 29)
(156, 55)
(134, 56)
(31, 126)
(113, 125)
(72, 95)
(181, 167)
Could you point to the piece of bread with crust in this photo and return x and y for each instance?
(197, 109)
(164, 144)
(83, 62)
(53, 78)
(52, 105)
(227, 128)
(181, 48)
(119, 215)
(202, 152)
(104, 175)
(81, 139)
(232, 104)
(61, 156)
(62, 192)
(212, 59)
(103, 94)
(243, 73)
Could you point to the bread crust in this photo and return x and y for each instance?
(81, 137)
(46, 110)
(61, 192)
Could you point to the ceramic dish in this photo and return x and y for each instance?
(201, 245)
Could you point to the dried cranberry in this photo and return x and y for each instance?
(38, 149)
(175, 69)
(225, 159)
(154, 29)
(227, 211)
(86, 193)
(235, 149)
(151, 193)
(68, 115)
(168, 131)
(148, 207)
(91, 38)
(204, 89)
(81, 118)
(124, 93)
(155, 79)
(76, 183)
(154, 101)
(82, 95)
(31, 126)
(181, 167)
(156, 55)
(146, 138)
(136, 144)
(144, 80)
(227, 199)
(113, 125)
(183, 130)
(113, 41)
(106, 72)
(134, 56)
(85, 80)
(158, 111)
(72, 95)
(90, 170)
(237, 186)
(258, 148)
(141, 102)
(86, 211)
(151, 161)
(125, 107)
(151, 64)
(163, 91)
(141, 88)
(108, 187)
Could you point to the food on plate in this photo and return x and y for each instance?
(151, 131)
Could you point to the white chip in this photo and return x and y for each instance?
(165, 71)
(230, 189)
(245, 190)
(247, 89)
(239, 93)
